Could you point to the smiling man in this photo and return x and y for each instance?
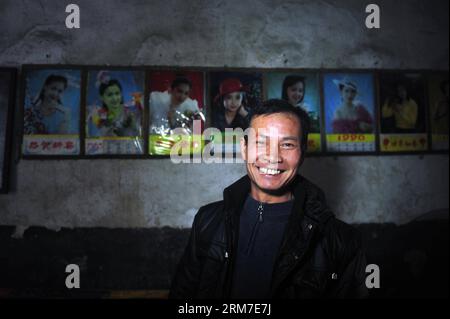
(272, 235)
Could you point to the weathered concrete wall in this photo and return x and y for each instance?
(269, 34)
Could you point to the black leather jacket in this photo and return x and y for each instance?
(320, 256)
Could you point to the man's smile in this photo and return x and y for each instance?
(269, 171)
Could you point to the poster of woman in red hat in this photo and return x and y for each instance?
(234, 95)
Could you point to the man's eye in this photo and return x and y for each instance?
(288, 145)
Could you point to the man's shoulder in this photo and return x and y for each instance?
(342, 229)
(312, 189)
(333, 228)
(208, 211)
(316, 203)
(211, 206)
(208, 219)
(342, 237)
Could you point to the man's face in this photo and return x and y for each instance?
(273, 155)
(179, 94)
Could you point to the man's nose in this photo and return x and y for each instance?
(273, 154)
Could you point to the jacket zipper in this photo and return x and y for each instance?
(259, 220)
(260, 211)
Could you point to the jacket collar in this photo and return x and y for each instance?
(307, 197)
(234, 195)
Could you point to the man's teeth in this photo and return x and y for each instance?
(269, 171)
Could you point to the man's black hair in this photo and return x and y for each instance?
(274, 106)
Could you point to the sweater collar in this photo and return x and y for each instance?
(307, 197)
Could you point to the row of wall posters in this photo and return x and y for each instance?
(350, 112)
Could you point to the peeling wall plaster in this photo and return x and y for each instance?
(268, 34)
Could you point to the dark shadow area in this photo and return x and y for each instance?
(413, 260)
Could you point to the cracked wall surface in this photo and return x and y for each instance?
(265, 34)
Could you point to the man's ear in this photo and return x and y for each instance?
(244, 149)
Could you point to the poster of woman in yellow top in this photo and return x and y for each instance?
(438, 94)
(402, 114)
